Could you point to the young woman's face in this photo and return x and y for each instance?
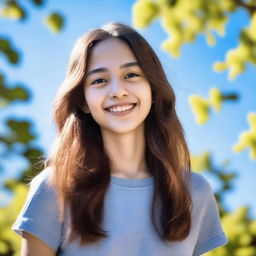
(114, 78)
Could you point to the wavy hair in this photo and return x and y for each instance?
(81, 180)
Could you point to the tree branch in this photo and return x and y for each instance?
(250, 8)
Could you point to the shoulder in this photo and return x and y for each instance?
(206, 224)
(199, 186)
(41, 200)
(41, 189)
(40, 215)
(42, 180)
(199, 182)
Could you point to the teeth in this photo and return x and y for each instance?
(119, 109)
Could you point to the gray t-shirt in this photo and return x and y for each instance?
(127, 220)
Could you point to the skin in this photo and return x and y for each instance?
(123, 136)
(33, 246)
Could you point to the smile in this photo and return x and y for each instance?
(121, 110)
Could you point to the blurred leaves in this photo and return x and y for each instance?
(54, 22)
(38, 2)
(18, 141)
(184, 20)
(13, 10)
(201, 106)
(201, 162)
(145, 11)
(204, 163)
(247, 139)
(6, 49)
(19, 132)
(241, 232)
(239, 227)
(10, 95)
(10, 242)
(237, 58)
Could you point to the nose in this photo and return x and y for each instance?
(117, 89)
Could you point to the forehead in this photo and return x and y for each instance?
(110, 51)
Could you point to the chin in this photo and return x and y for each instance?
(123, 130)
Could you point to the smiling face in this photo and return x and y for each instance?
(115, 78)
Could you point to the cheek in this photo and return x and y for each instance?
(147, 94)
(92, 98)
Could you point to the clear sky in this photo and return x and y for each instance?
(45, 57)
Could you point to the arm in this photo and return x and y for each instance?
(210, 234)
(40, 231)
(33, 246)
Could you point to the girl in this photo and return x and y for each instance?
(118, 179)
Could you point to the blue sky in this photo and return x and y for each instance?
(45, 57)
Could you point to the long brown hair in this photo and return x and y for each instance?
(81, 180)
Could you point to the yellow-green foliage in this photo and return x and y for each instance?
(247, 139)
(12, 10)
(201, 106)
(183, 20)
(241, 232)
(239, 227)
(8, 95)
(199, 163)
(237, 58)
(54, 22)
(215, 99)
(145, 12)
(18, 130)
(8, 214)
(7, 49)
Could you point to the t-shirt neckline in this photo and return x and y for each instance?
(132, 183)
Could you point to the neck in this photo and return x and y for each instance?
(127, 154)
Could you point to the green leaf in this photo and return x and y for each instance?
(13, 10)
(11, 54)
(20, 131)
(54, 22)
(38, 2)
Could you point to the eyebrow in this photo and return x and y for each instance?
(99, 70)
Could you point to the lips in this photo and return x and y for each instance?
(120, 105)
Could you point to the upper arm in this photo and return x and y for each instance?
(33, 246)
(206, 218)
(41, 202)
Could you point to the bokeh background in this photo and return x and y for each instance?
(208, 50)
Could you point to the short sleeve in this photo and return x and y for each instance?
(39, 215)
(210, 234)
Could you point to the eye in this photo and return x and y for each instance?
(99, 81)
(130, 75)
